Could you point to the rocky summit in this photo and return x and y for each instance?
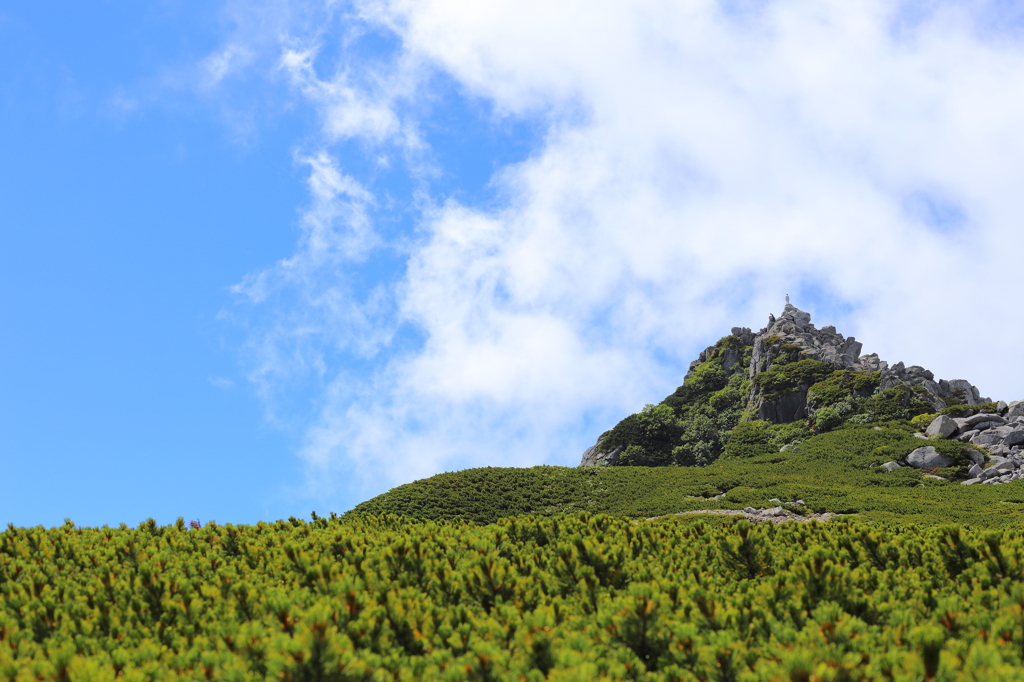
(807, 381)
(794, 329)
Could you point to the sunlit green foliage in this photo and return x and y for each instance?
(781, 379)
(650, 436)
(690, 427)
(968, 410)
(530, 598)
(842, 385)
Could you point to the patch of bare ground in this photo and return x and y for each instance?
(772, 515)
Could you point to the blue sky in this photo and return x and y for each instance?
(262, 258)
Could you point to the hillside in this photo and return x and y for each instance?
(788, 414)
(833, 472)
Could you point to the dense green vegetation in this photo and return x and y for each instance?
(691, 426)
(568, 598)
(784, 377)
(830, 472)
(842, 386)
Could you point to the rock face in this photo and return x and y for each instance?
(788, 408)
(593, 457)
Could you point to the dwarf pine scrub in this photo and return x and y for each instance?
(575, 597)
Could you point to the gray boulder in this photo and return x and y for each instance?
(971, 481)
(968, 436)
(927, 457)
(975, 471)
(1016, 409)
(1015, 436)
(890, 466)
(870, 363)
(1002, 407)
(997, 471)
(975, 456)
(744, 334)
(970, 392)
(976, 420)
(994, 436)
(942, 426)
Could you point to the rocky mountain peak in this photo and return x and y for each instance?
(786, 372)
(826, 345)
(792, 333)
(794, 327)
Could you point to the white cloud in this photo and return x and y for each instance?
(697, 166)
(225, 62)
(316, 308)
(335, 229)
(347, 112)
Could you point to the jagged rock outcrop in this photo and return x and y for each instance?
(794, 327)
(593, 457)
(793, 330)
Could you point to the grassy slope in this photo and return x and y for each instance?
(830, 472)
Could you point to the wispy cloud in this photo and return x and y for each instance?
(225, 62)
(221, 382)
(697, 165)
(313, 302)
(347, 112)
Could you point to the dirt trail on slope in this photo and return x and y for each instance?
(773, 515)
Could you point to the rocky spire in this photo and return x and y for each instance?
(794, 328)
